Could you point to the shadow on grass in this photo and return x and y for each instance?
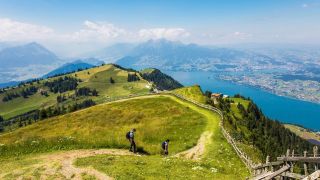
(142, 151)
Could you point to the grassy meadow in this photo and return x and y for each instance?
(105, 126)
(192, 92)
(218, 162)
(303, 132)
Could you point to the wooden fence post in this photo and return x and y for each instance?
(305, 165)
(267, 162)
(291, 164)
(315, 154)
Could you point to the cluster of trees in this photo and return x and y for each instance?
(24, 93)
(36, 115)
(28, 91)
(2, 90)
(84, 91)
(9, 96)
(20, 120)
(24, 83)
(61, 98)
(125, 69)
(269, 136)
(162, 81)
(133, 77)
(62, 84)
(58, 110)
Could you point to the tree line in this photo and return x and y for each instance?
(133, 77)
(62, 84)
(25, 93)
(83, 91)
(58, 110)
(42, 114)
(161, 80)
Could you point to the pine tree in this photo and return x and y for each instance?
(111, 80)
(1, 124)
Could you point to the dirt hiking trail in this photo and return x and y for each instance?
(196, 152)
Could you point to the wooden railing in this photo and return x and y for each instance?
(284, 166)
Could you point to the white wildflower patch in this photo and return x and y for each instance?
(213, 170)
(197, 168)
(34, 142)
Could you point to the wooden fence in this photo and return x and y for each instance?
(285, 166)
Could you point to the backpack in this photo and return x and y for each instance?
(128, 135)
(163, 145)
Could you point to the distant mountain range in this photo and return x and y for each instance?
(112, 53)
(169, 55)
(161, 54)
(25, 55)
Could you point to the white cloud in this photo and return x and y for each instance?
(167, 33)
(11, 30)
(91, 35)
(241, 35)
(98, 31)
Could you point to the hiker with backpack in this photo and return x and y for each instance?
(165, 147)
(130, 137)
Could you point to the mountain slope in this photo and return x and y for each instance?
(69, 67)
(25, 55)
(161, 80)
(99, 84)
(112, 53)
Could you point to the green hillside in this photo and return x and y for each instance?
(192, 92)
(105, 125)
(40, 99)
(255, 134)
(95, 78)
(303, 132)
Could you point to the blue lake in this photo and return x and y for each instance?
(281, 108)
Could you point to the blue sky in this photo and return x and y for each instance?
(100, 23)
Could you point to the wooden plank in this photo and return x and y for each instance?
(276, 163)
(292, 175)
(313, 176)
(262, 176)
(300, 159)
(278, 172)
